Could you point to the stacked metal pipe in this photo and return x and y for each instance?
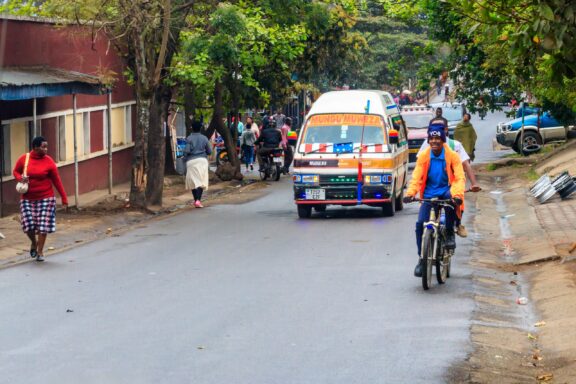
(544, 189)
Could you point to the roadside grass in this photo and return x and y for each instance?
(548, 148)
(532, 175)
(491, 167)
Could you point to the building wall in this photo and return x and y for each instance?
(88, 170)
(29, 43)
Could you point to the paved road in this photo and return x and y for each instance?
(486, 130)
(239, 294)
(236, 294)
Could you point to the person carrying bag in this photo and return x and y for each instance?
(22, 186)
(39, 173)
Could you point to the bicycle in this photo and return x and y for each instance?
(433, 238)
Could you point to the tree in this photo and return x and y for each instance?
(146, 34)
(229, 51)
(514, 45)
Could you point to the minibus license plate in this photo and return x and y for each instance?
(315, 194)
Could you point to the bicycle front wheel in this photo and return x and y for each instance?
(428, 240)
(442, 261)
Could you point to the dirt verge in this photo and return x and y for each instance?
(112, 215)
(522, 250)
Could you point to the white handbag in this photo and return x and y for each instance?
(22, 187)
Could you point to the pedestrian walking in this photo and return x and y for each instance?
(288, 152)
(466, 134)
(38, 203)
(196, 153)
(240, 125)
(279, 118)
(247, 141)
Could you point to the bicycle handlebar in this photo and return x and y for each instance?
(443, 202)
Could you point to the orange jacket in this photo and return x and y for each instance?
(454, 168)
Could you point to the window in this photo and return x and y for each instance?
(86, 129)
(61, 138)
(399, 125)
(105, 127)
(5, 147)
(128, 124)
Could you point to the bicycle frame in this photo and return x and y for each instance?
(434, 223)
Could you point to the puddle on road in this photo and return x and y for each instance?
(506, 234)
(521, 286)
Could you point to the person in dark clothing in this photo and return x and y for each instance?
(439, 119)
(269, 139)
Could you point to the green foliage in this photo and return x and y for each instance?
(241, 45)
(398, 47)
(515, 45)
(20, 7)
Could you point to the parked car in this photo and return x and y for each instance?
(538, 129)
(527, 110)
(453, 112)
(416, 119)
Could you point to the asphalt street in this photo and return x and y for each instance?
(243, 294)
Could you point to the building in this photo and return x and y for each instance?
(49, 74)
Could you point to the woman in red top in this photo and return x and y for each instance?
(38, 205)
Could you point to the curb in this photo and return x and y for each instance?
(103, 229)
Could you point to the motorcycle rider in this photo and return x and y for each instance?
(438, 173)
(270, 138)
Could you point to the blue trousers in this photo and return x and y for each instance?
(248, 155)
(424, 215)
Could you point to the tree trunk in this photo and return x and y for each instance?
(189, 108)
(217, 124)
(157, 145)
(139, 160)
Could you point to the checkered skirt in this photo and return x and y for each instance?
(38, 215)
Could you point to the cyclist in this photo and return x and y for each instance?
(456, 146)
(438, 173)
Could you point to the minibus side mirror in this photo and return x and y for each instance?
(393, 136)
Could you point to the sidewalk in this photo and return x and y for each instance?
(102, 214)
(522, 249)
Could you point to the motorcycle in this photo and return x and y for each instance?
(272, 165)
(222, 152)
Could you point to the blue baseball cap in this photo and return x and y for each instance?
(436, 130)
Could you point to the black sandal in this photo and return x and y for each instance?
(33, 253)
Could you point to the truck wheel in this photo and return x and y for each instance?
(532, 143)
(399, 201)
(304, 211)
(320, 208)
(389, 209)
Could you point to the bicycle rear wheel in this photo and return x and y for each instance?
(442, 261)
(427, 253)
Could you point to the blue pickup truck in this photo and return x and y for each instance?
(538, 129)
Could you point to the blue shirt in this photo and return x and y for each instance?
(437, 181)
